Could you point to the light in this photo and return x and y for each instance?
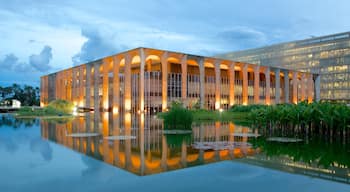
(221, 110)
(115, 110)
(75, 111)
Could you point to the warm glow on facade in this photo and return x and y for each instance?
(147, 80)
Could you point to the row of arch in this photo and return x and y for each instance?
(142, 60)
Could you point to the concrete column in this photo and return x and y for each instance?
(142, 143)
(277, 86)
(217, 85)
(105, 82)
(74, 85)
(302, 86)
(268, 87)
(116, 85)
(245, 84)
(184, 77)
(295, 87)
(184, 153)
(81, 87)
(232, 83)
(127, 83)
(256, 84)
(96, 87)
(202, 81)
(163, 163)
(310, 88)
(317, 88)
(88, 86)
(164, 61)
(286, 86)
(142, 80)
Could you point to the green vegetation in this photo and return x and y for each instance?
(55, 108)
(246, 108)
(317, 150)
(321, 117)
(27, 95)
(178, 118)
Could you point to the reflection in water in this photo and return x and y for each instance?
(137, 144)
(7, 120)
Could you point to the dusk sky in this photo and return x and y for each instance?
(40, 37)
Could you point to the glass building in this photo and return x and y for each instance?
(328, 56)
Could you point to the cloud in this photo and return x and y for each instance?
(41, 61)
(100, 43)
(243, 37)
(9, 61)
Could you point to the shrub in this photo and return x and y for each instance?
(60, 106)
(178, 118)
(246, 108)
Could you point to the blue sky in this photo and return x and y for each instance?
(40, 37)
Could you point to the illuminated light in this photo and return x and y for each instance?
(115, 110)
(127, 105)
(245, 103)
(81, 103)
(221, 110)
(138, 112)
(217, 105)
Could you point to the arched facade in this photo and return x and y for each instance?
(146, 80)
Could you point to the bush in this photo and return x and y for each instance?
(60, 106)
(246, 108)
(178, 118)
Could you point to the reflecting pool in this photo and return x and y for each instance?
(131, 152)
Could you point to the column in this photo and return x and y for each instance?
(277, 86)
(268, 87)
(116, 85)
(245, 84)
(256, 84)
(127, 83)
(317, 87)
(105, 81)
(302, 86)
(142, 143)
(310, 88)
(295, 87)
(81, 86)
(88, 86)
(184, 77)
(142, 80)
(286, 86)
(74, 85)
(164, 62)
(202, 81)
(232, 83)
(217, 85)
(96, 87)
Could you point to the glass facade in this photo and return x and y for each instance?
(328, 56)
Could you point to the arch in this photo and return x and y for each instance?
(192, 158)
(152, 164)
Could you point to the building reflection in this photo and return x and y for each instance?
(136, 143)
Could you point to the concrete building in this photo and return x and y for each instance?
(147, 80)
(328, 56)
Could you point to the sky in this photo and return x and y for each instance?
(38, 37)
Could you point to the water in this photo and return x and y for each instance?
(130, 152)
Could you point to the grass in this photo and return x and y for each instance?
(54, 108)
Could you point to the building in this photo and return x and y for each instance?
(148, 80)
(328, 56)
